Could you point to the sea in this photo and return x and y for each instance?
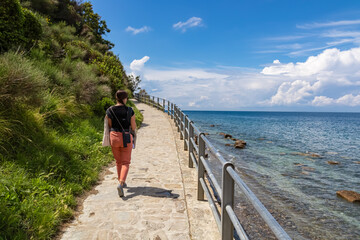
(294, 162)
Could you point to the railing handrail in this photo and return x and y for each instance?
(227, 221)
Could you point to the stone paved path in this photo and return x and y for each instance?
(160, 201)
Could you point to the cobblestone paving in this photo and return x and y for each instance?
(160, 200)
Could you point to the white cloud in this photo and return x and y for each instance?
(332, 68)
(315, 37)
(331, 78)
(322, 101)
(276, 61)
(287, 38)
(339, 34)
(330, 60)
(207, 88)
(290, 46)
(348, 100)
(292, 92)
(190, 23)
(192, 104)
(183, 75)
(138, 30)
(137, 65)
(329, 24)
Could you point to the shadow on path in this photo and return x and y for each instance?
(149, 191)
(144, 125)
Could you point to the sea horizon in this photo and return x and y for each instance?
(270, 111)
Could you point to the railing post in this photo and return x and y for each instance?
(186, 127)
(158, 103)
(175, 114)
(191, 147)
(177, 119)
(181, 126)
(201, 168)
(172, 111)
(227, 227)
(164, 105)
(153, 101)
(168, 107)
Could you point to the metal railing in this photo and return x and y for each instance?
(196, 144)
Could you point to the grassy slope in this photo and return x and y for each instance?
(39, 186)
(50, 135)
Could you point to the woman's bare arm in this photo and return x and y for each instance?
(133, 123)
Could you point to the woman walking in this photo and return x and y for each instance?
(121, 120)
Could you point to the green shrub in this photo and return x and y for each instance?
(32, 29)
(102, 105)
(74, 51)
(85, 83)
(18, 26)
(58, 78)
(20, 81)
(55, 37)
(110, 66)
(57, 111)
(11, 20)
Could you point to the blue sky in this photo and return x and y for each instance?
(241, 55)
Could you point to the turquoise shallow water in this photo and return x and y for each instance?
(302, 187)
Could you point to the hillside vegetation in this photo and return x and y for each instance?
(57, 75)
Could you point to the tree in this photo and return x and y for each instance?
(18, 26)
(143, 92)
(133, 82)
(93, 21)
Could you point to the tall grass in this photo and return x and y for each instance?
(20, 81)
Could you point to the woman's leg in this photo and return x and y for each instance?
(116, 145)
(125, 156)
(117, 155)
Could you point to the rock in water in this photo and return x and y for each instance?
(240, 144)
(314, 155)
(227, 136)
(212, 125)
(332, 162)
(351, 196)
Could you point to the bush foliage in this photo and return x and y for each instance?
(18, 26)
